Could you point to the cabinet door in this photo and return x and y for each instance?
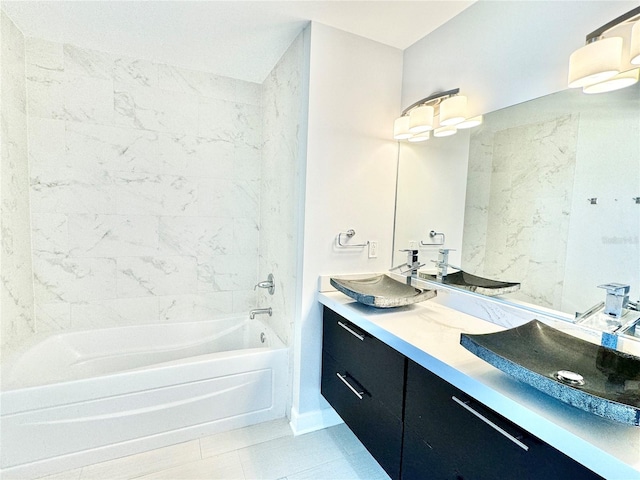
(376, 365)
(474, 441)
(378, 430)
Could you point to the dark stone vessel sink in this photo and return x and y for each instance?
(590, 377)
(381, 291)
(473, 283)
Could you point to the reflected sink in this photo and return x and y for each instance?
(381, 291)
(474, 283)
(590, 377)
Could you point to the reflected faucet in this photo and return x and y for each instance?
(410, 268)
(443, 263)
(617, 298)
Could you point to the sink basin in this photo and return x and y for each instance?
(590, 377)
(473, 283)
(381, 291)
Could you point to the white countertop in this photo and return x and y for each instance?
(429, 334)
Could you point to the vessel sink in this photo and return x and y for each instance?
(381, 291)
(596, 379)
(473, 283)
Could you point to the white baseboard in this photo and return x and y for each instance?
(312, 421)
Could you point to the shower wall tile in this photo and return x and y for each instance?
(49, 234)
(198, 157)
(203, 84)
(88, 99)
(152, 276)
(221, 273)
(145, 189)
(47, 141)
(87, 62)
(114, 312)
(70, 280)
(16, 293)
(195, 236)
(229, 198)
(135, 71)
(95, 235)
(194, 307)
(155, 109)
(44, 54)
(53, 317)
(110, 148)
(283, 104)
(60, 189)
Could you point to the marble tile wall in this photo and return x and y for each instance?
(16, 302)
(517, 208)
(145, 189)
(281, 185)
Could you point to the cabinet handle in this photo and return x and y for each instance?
(490, 423)
(343, 378)
(351, 331)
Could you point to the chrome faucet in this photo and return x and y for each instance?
(269, 284)
(617, 298)
(260, 311)
(443, 263)
(410, 268)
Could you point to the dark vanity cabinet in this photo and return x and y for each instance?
(363, 380)
(452, 436)
(420, 427)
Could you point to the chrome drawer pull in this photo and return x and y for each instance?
(344, 380)
(490, 423)
(352, 332)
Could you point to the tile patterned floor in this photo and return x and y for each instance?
(264, 451)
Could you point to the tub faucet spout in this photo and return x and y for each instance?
(260, 311)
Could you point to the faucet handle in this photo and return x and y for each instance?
(617, 289)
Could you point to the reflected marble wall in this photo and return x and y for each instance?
(517, 208)
(16, 303)
(145, 189)
(280, 192)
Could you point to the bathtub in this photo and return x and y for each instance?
(84, 397)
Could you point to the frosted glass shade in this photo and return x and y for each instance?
(622, 80)
(595, 62)
(420, 137)
(446, 131)
(470, 122)
(401, 128)
(421, 119)
(635, 44)
(453, 110)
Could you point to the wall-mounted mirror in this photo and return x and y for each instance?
(545, 193)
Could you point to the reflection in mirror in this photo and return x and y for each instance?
(548, 192)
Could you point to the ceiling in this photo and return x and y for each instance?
(240, 39)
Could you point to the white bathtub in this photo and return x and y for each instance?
(84, 397)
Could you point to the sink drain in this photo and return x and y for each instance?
(569, 377)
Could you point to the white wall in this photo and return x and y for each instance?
(354, 96)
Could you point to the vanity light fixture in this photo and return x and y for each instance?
(610, 60)
(438, 115)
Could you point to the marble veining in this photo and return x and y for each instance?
(143, 209)
(518, 205)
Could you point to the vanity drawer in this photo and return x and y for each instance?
(477, 442)
(379, 430)
(377, 366)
